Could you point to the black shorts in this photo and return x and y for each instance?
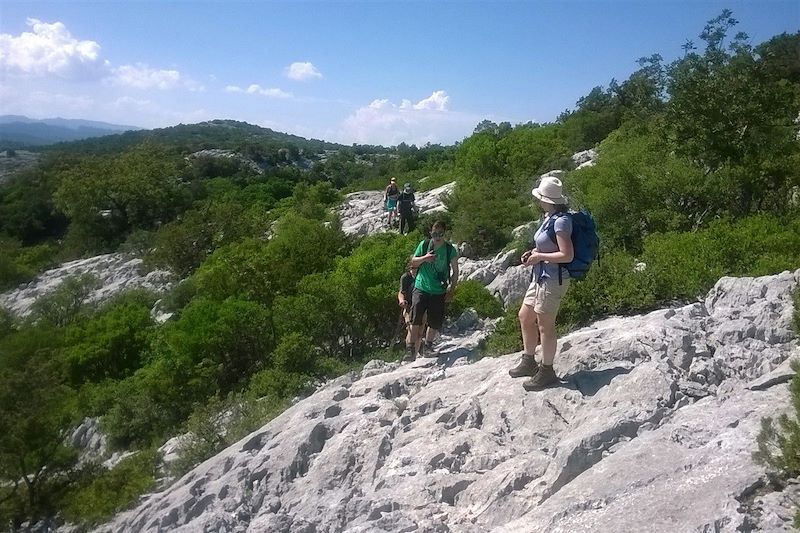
(433, 304)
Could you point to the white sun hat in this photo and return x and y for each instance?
(550, 191)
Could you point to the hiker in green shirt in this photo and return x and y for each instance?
(437, 264)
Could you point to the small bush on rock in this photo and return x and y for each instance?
(473, 294)
(102, 493)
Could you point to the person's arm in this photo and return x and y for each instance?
(565, 253)
(401, 294)
(418, 260)
(453, 274)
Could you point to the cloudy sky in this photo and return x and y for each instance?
(352, 72)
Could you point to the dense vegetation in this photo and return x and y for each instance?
(698, 177)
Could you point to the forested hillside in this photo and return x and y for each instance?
(698, 177)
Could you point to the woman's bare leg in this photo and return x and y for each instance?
(547, 334)
(530, 330)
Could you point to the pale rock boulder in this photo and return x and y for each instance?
(115, 273)
(457, 446)
(586, 158)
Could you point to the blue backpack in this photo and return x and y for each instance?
(585, 242)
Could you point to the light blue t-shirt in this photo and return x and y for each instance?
(544, 270)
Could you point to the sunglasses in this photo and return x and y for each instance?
(437, 234)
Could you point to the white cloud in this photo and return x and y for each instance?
(302, 71)
(436, 101)
(260, 91)
(141, 76)
(429, 120)
(49, 50)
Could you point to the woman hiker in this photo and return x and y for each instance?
(537, 315)
(390, 195)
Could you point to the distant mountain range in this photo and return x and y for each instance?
(18, 130)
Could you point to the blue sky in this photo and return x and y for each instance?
(365, 72)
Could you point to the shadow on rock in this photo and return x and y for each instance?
(589, 382)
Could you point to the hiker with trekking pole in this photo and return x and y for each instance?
(404, 299)
(565, 244)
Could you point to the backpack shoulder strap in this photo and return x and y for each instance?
(550, 227)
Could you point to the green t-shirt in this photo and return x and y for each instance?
(429, 275)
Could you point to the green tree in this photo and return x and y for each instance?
(105, 197)
(110, 345)
(38, 413)
(216, 345)
(729, 112)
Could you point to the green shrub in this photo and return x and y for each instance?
(38, 413)
(148, 406)
(62, 306)
(101, 493)
(796, 321)
(109, 345)
(216, 345)
(473, 294)
(20, 264)
(507, 336)
(611, 287)
(139, 243)
(6, 322)
(485, 212)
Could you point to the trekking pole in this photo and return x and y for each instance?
(397, 330)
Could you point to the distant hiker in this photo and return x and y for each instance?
(405, 205)
(437, 263)
(404, 299)
(537, 315)
(390, 195)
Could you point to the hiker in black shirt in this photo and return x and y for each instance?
(404, 300)
(405, 205)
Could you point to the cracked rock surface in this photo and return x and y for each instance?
(652, 429)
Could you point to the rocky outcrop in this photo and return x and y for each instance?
(362, 212)
(14, 161)
(587, 158)
(115, 273)
(217, 153)
(652, 429)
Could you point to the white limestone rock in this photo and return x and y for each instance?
(440, 446)
(115, 273)
(362, 212)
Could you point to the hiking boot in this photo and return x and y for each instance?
(526, 366)
(545, 377)
(410, 355)
(427, 350)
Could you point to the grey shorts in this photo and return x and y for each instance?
(545, 298)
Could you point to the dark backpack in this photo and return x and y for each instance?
(405, 201)
(585, 242)
(445, 281)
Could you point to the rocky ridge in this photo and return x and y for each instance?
(652, 429)
(115, 273)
